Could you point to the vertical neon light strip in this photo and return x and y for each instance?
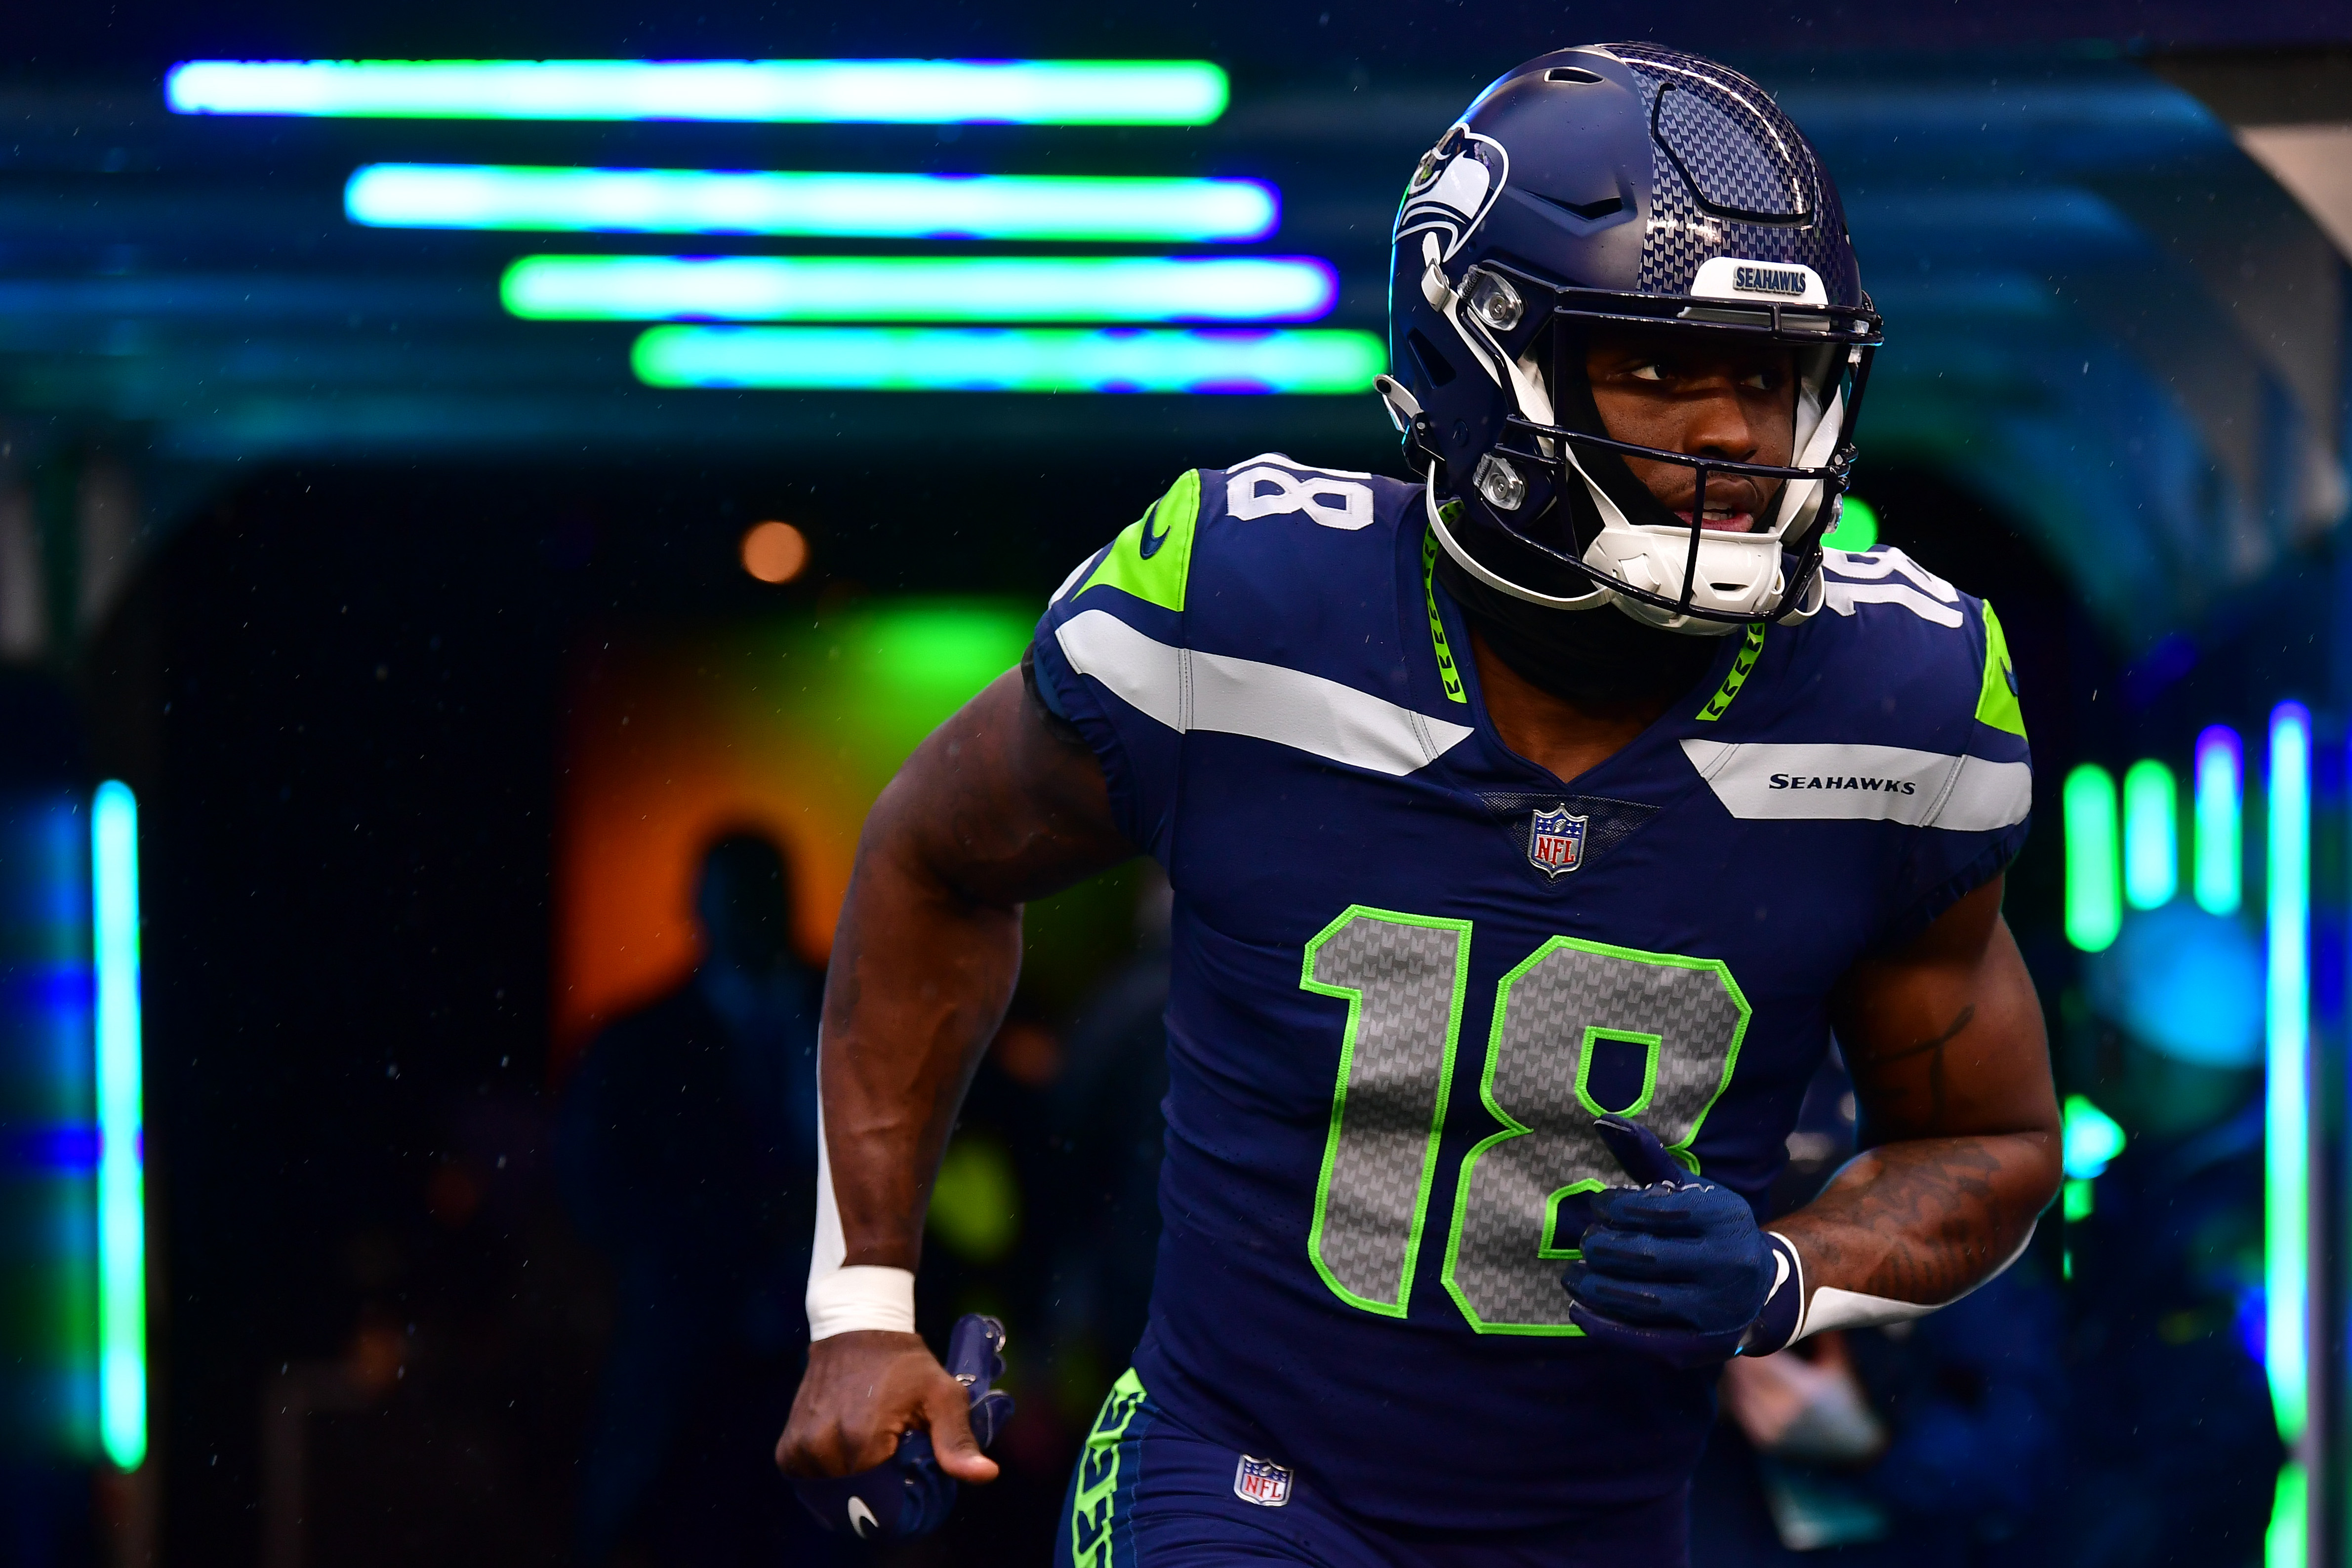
(2151, 835)
(2286, 1127)
(2220, 789)
(2094, 897)
(122, 1183)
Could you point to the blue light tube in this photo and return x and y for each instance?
(833, 206)
(2286, 1121)
(919, 289)
(909, 92)
(121, 1183)
(1036, 359)
(2220, 789)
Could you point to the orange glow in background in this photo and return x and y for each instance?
(790, 726)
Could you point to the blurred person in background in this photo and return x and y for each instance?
(688, 1151)
(2174, 1444)
(1932, 1444)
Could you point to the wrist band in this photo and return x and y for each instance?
(842, 1300)
(1782, 1321)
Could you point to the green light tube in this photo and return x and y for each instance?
(919, 289)
(121, 1183)
(1034, 359)
(1857, 527)
(2220, 790)
(827, 205)
(2151, 835)
(2286, 1130)
(2094, 898)
(2284, 1542)
(906, 93)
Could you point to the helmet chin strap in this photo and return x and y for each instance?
(1469, 563)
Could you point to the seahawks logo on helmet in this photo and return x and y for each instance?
(1453, 187)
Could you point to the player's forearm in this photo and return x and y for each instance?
(991, 810)
(1924, 1221)
(921, 976)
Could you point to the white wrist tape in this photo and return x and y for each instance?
(843, 1300)
(861, 1298)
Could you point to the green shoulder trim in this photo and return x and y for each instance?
(1445, 670)
(1742, 664)
(1997, 703)
(1153, 555)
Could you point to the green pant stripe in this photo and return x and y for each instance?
(1096, 1495)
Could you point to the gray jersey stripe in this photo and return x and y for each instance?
(1187, 691)
(1772, 781)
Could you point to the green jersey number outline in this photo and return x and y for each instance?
(1404, 978)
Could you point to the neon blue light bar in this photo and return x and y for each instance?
(2091, 1139)
(2094, 912)
(122, 1183)
(908, 92)
(2220, 789)
(919, 289)
(2151, 835)
(2287, 1122)
(834, 207)
(1040, 360)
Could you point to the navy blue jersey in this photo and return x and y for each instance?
(1411, 967)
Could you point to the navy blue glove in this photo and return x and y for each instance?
(907, 1494)
(1675, 1266)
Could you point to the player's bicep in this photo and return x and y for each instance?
(996, 806)
(1944, 1036)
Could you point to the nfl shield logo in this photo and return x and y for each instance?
(1261, 1481)
(1556, 840)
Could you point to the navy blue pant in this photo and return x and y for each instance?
(1148, 1492)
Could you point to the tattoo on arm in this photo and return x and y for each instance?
(1872, 1068)
(1920, 1220)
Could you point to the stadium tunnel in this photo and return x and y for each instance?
(329, 547)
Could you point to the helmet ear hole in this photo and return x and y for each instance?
(1434, 365)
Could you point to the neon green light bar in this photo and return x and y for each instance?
(905, 92)
(847, 206)
(121, 1183)
(1034, 359)
(2220, 789)
(2284, 1543)
(2094, 903)
(2151, 835)
(919, 289)
(2286, 1123)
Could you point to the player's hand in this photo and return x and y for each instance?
(864, 1390)
(1674, 1267)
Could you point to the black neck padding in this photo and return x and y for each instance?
(1594, 658)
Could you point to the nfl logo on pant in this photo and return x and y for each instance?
(1556, 840)
(1261, 1481)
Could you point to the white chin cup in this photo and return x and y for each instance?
(1738, 575)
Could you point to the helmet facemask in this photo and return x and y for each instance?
(1557, 482)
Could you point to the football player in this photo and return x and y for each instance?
(1533, 824)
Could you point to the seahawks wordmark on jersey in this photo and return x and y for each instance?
(1411, 967)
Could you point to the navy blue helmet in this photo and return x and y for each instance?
(1620, 184)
